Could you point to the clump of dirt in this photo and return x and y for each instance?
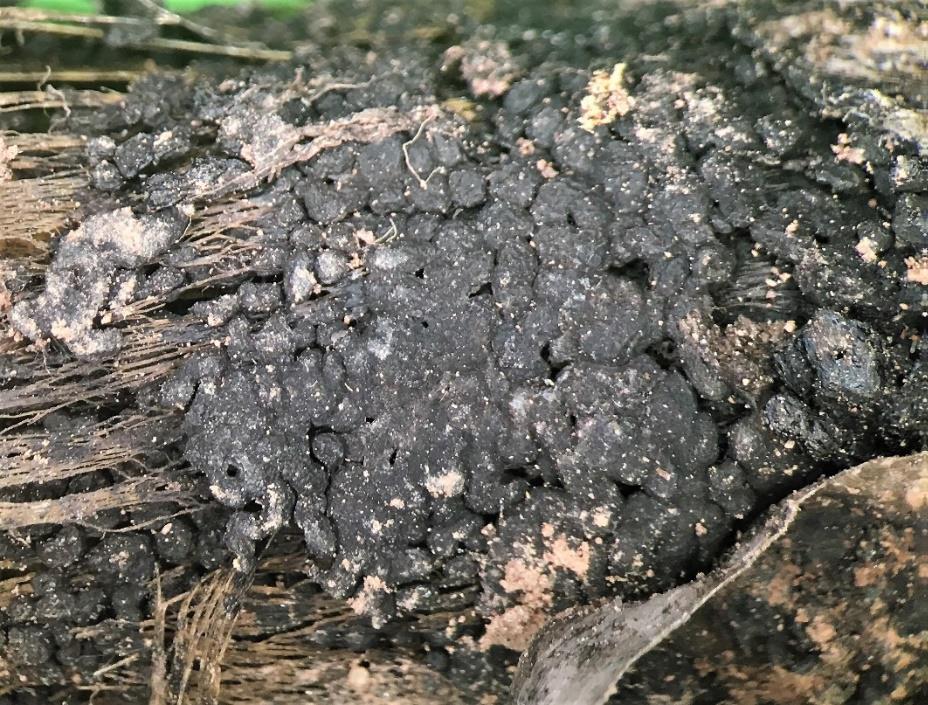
(471, 331)
(84, 276)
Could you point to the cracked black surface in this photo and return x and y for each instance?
(444, 347)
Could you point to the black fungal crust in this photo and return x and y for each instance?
(471, 354)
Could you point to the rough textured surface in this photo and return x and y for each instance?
(823, 603)
(83, 279)
(461, 328)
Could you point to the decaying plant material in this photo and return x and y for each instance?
(822, 601)
(336, 377)
(141, 32)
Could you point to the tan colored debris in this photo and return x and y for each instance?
(917, 270)
(7, 154)
(606, 100)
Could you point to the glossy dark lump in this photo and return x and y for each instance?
(479, 358)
